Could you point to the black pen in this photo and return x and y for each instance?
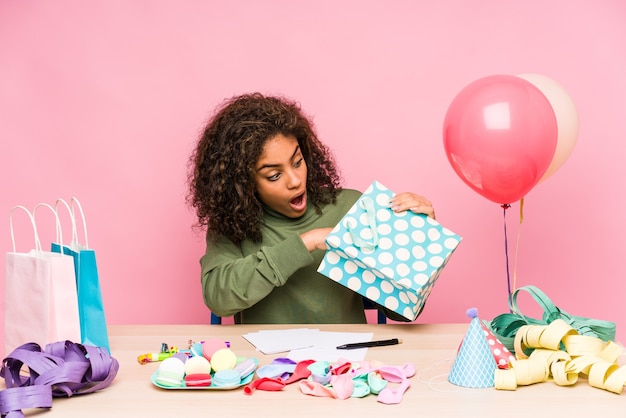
(366, 344)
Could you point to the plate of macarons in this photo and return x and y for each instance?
(223, 370)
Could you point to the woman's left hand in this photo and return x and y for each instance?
(414, 203)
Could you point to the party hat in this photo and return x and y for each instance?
(474, 366)
(501, 354)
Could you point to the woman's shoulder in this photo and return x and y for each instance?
(348, 196)
(350, 193)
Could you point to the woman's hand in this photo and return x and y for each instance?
(315, 239)
(412, 202)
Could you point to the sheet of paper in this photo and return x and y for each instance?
(309, 343)
(281, 341)
(325, 348)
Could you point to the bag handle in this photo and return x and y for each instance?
(367, 204)
(59, 232)
(72, 219)
(32, 221)
(75, 203)
(71, 208)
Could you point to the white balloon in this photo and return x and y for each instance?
(566, 119)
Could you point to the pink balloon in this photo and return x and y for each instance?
(566, 119)
(500, 135)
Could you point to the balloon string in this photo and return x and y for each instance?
(519, 233)
(506, 247)
(506, 251)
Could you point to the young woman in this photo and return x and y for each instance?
(268, 192)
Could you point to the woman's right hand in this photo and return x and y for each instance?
(315, 239)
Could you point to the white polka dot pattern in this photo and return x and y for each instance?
(501, 354)
(408, 253)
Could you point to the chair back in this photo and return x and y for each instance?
(368, 305)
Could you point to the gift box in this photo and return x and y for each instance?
(393, 259)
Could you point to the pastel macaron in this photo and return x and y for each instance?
(211, 345)
(223, 359)
(245, 367)
(171, 372)
(198, 380)
(197, 365)
(226, 378)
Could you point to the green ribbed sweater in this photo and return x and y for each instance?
(276, 281)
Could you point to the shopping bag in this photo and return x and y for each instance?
(93, 325)
(393, 259)
(40, 293)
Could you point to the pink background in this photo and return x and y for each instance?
(103, 100)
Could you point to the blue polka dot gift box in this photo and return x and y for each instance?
(393, 259)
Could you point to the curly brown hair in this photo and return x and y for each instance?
(221, 175)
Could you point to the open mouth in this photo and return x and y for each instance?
(298, 203)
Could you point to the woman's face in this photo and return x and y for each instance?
(281, 176)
